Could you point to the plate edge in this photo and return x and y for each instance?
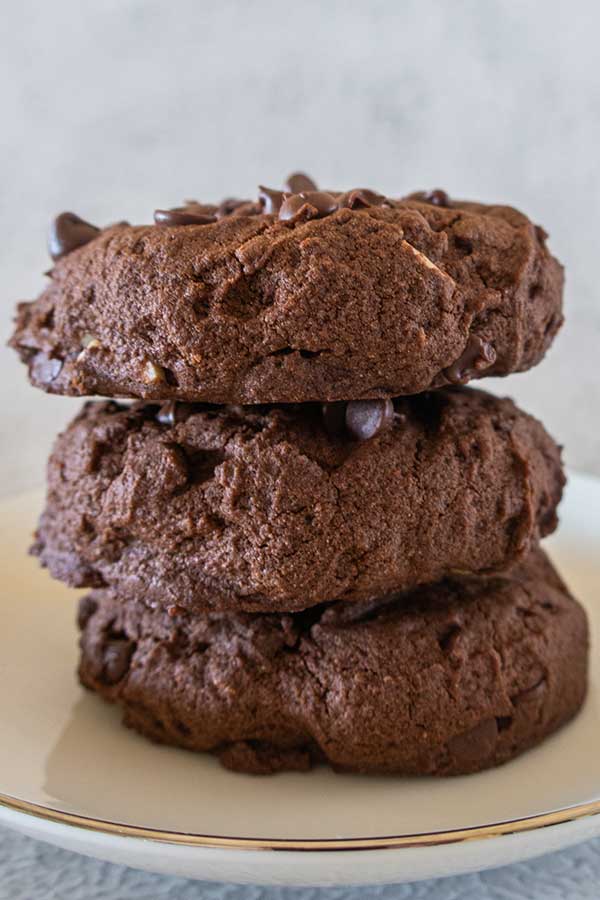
(426, 839)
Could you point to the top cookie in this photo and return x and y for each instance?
(304, 295)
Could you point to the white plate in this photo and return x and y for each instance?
(71, 775)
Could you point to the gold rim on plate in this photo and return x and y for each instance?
(431, 839)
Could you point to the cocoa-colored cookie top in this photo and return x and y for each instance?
(301, 295)
(450, 678)
(279, 508)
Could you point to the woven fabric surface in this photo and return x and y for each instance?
(31, 870)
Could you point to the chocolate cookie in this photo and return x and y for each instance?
(447, 679)
(280, 508)
(302, 296)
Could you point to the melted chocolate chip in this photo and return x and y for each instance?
(270, 200)
(477, 356)
(298, 182)
(366, 418)
(438, 197)
(334, 417)
(182, 216)
(307, 205)
(68, 232)
(361, 198)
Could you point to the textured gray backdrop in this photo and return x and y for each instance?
(114, 108)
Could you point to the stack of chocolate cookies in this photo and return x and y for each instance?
(307, 540)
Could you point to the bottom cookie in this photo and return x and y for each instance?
(444, 680)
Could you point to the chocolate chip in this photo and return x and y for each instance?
(361, 198)
(504, 722)
(293, 205)
(68, 232)
(270, 200)
(438, 197)
(298, 182)
(117, 657)
(172, 412)
(87, 608)
(198, 208)
(477, 356)
(166, 414)
(307, 205)
(182, 215)
(229, 205)
(366, 418)
(334, 417)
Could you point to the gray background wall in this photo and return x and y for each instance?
(114, 108)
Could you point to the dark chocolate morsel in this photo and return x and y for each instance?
(229, 205)
(361, 197)
(334, 417)
(68, 232)
(198, 208)
(293, 206)
(307, 205)
(270, 200)
(298, 182)
(182, 216)
(438, 197)
(117, 656)
(477, 355)
(172, 412)
(366, 418)
(166, 414)
(323, 202)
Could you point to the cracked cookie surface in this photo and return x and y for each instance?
(362, 303)
(448, 679)
(262, 508)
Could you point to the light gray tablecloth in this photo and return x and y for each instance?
(30, 870)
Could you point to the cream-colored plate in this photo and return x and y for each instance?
(71, 775)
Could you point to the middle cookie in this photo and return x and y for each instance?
(280, 508)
